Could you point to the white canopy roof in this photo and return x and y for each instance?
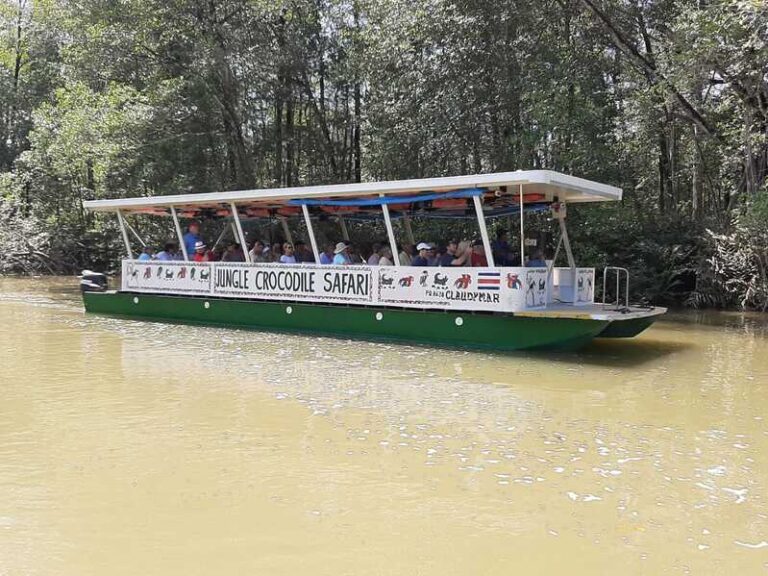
(550, 184)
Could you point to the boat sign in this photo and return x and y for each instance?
(497, 289)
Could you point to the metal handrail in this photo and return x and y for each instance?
(618, 271)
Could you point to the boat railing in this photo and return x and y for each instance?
(617, 303)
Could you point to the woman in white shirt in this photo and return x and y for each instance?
(385, 257)
(288, 256)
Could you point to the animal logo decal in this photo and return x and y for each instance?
(423, 278)
(182, 273)
(536, 289)
(513, 281)
(439, 280)
(159, 271)
(192, 273)
(584, 286)
(406, 281)
(205, 274)
(387, 280)
(169, 274)
(148, 273)
(463, 282)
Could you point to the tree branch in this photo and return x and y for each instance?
(649, 68)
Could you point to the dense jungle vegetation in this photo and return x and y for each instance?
(666, 98)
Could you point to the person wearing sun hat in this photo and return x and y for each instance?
(200, 253)
(341, 253)
(422, 258)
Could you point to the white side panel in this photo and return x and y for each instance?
(482, 289)
(176, 277)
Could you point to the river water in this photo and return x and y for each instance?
(132, 447)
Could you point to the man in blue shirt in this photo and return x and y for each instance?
(146, 254)
(422, 259)
(326, 256)
(192, 237)
(168, 253)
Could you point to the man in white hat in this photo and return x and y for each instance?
(341, 254)
(200, 252)
(422, 258)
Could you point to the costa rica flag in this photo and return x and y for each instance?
(488, 280)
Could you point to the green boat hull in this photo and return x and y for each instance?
(626, 328)
(443, 328)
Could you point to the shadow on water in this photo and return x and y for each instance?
(604, 353)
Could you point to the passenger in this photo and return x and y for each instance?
(353, 254)
(463, 254)
(215, 255)
(385, 256)
(478, 257)
(423, 257)
(406, 255)
(537, 260)
(500, 249)
(326, 256)
(341, 254)
(276, 252)
(288, 256)
(373, 259)
(304, 253)
(449, 256)
(168, 253)
(233, 253)
(257, 252)
(147, 254)
(432, 256)
(201, 254)
(192, 237)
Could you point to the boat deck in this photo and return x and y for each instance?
(594, 312)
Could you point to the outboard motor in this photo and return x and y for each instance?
(93, 281)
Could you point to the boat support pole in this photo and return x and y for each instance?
(567, 244)
(126, 240)
(310, 232)
(408, 229)
(182, 245)
(136, 234)
(240, 235)
(344, 231)
(390, 233)
(286, 230)
(522, 228)
(554, 258)
(483, 231)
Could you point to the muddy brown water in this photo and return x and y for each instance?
(131, 447)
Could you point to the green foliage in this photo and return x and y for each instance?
(737, 270)
(668, 100)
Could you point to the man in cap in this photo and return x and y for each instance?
(341, 254)
(422, 259)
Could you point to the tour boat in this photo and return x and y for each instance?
(493, 307)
